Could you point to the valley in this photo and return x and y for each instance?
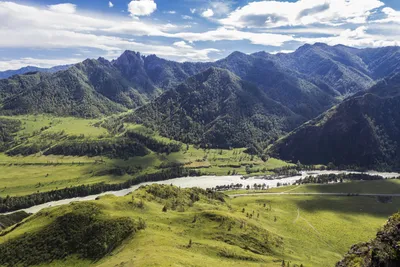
(252, 160)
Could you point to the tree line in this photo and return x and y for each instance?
(336, 178)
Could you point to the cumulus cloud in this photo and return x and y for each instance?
(33, 27)
(192, 10)
(208, 13)
(234, 35)
(141, 7)
(110, 4)
(358, 37)
(221, 7)
(269, 14)
(14, 64)
(63, 8)
(182, 44)
(392, 16)
(294, 23)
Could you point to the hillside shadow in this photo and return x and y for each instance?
(343, 205)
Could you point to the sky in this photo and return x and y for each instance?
(46, 33)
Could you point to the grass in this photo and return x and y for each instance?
(308, 230)
(21, 175)
(365, 187)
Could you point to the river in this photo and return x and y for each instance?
(202, 182)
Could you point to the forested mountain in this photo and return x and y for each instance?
(382, 251)
(337, 67)
(216, 108)
(66, 92)
(308, 81)
(281, 84)
(363, 130)
(8, 73)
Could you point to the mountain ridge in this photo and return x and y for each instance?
(9, 73)
(363, 130)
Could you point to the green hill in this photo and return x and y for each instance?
(163, 225)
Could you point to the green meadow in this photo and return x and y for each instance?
(21, 175)
(245, 231)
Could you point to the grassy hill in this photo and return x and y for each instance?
(196, 228)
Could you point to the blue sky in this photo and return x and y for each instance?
(48, 32)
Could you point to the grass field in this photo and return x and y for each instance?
(377, 187)
(21, 175)
(308, 230)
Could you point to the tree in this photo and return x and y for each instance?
(331, 166)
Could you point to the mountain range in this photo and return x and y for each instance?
(241, 100)
(8, 73)
(217, 109)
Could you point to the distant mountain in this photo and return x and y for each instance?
(384, 250)
(216, 108)
(281, 84)
(8, 73)
(363, 130)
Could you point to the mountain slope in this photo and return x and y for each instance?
(64, 93)
(8, 73)
(363, 130)
(280, 84)
(216, 108)
(339, 67)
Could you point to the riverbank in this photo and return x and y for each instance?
(199, 181)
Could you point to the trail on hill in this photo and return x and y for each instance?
(314, 230)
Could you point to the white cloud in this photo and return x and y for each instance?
(221, 7)
(192, 10)
(182, 44)
(171, 12)
(392, 16)
(208, 13)
(355, 38)
(282, 52)
(141, 7)
(268, 14)
(187, 17)
(63, 8)
(222, 33)
(37, 62)
(110, 4)
(48, 27)
(25, 26)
